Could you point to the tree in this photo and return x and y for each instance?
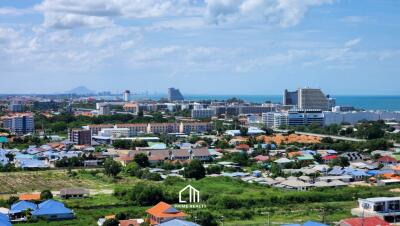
(195, 169)
(12, 200)
(10, 156)
(132, 168)
(146, 194)
(214, 169)
(111, 222)
(244, 131)
(205, 218)
(327, 140)
(275, 170)
(112, 168)
(46, 194)
(142, 160)
(341, 161)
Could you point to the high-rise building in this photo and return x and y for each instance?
(126, 95)
(290, 98)
(80, 136)
(174, 94)
(274, 119)
(309, 98)
(104, 109)
(19, 123)
(16, 106)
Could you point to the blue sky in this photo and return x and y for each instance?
(200, 46)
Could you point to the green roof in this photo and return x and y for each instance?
(305, 157)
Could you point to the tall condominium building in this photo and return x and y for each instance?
(104, 109)
(80, 136)
(274, 119)
(126, 95)
(174, 94)
(16, 106)
(19, 123)
(290, 98)
(309, 98)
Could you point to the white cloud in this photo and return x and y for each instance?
(100, 13)
(10, 11)
(352, 42)
(286, 13)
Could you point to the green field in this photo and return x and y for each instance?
(240, 203)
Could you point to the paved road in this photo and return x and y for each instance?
(325, 135)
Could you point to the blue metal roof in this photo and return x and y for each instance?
(177, 222)
(4, 220)
(22, 206)
(313, 223)
(51, 207)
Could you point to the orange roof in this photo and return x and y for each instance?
(390, 176)
(397, 168)
(28, 197)
(161, 211)
(294, 154)
(128, 223)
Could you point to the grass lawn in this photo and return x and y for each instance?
(13, 182)
(239, 202)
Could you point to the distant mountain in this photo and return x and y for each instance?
(80, 90)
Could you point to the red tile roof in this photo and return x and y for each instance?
(261, 158)
(329, 157)
(366, 221)
(387, 159)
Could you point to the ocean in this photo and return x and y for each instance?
(390, 103)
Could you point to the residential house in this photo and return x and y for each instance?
(29, 197)
(353, 156)
(131, 222)
(163, 212)
(283, 161)
(124, 159)
(4, 220)
(363, 221)
(52, 210)
(178, 222)
(294, 184)
(68, 193)
(18, 210)
(386, 208)
(387, 161)
(328, 158)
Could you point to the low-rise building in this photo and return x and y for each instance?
(386, 208)
(194, 127)
(203, 113)
(163, 212)
(160, 128)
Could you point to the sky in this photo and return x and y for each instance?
(345, 47)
